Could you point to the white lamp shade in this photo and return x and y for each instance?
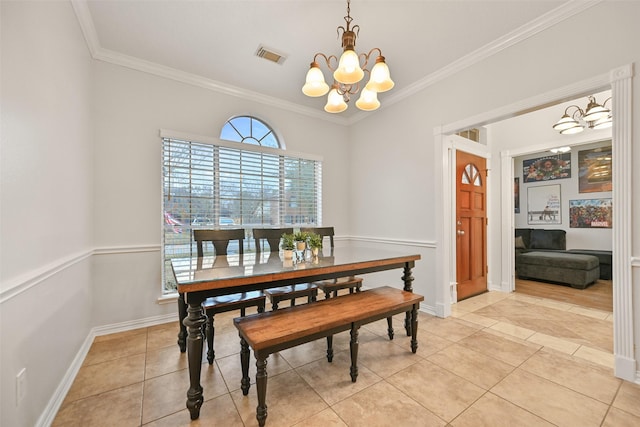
(565, 122)
(335, 102)
(595, 112)
(572, 130)
(368, 100)
(315, 84)
(380, 80)
(349, 71)
(603, 123)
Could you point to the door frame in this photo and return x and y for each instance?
(620, 82)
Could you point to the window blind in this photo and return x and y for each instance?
(217, 186)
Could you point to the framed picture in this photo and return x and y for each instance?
(516, 195)
(591, 213)
(594, 174)
(543, 204)
(547, 168)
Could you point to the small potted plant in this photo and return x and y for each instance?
(288, 245)
(315, 243)
(301, 238)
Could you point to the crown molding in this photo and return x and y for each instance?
(549, 19)
(530, 29)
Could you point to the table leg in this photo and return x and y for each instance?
(182, 314)
(194, 321)
(261, 387)
(414, 328)
(353, 346)
(245, 383)
(407, 278)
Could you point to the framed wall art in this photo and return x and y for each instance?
(547, 168)
(544, 204)
(594, 173)
(591, 213)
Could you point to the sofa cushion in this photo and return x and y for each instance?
(548, 239)
(525, 233)
(519, 243)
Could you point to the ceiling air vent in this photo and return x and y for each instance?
(270, 54)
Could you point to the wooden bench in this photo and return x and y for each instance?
(268, 333)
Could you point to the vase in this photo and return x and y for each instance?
(288, 254)
(315, 252)
(301, 245)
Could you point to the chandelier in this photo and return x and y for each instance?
(595, 116)
(348, 74)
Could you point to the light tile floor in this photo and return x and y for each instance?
(499, 360)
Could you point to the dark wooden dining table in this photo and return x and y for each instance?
(200, 278)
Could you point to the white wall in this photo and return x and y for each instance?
(130, 109)
(534, 66)
(46, 202)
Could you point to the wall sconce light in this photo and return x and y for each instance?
(595, 116)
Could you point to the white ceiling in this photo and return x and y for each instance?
(212, 43)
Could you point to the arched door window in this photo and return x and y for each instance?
(471, 175)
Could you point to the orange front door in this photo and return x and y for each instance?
(471, 225)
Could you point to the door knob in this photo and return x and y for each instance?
(460, 232)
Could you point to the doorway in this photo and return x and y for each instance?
(501, 260)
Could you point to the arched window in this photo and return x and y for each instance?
(250, 131)
(245, 179)
(471, 175)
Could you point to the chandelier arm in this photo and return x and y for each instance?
(573, 115)
(327, 59)
(605, 101)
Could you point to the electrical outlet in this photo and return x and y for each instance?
(21, 385)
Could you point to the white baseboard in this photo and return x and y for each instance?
(52, 408)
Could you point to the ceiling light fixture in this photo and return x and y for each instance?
(348, 74)
(595, 116)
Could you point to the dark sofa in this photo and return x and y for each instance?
(541, 255)
(540, 240)
(536, 239)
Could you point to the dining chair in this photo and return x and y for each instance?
(330, 287)
(223, 303)
(289, 292)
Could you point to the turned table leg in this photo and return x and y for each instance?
(194, 320)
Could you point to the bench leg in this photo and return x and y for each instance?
(261, 387)
(353, 346)
(414, 328)
(245, 383)
(390, 327)
(330, 348)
